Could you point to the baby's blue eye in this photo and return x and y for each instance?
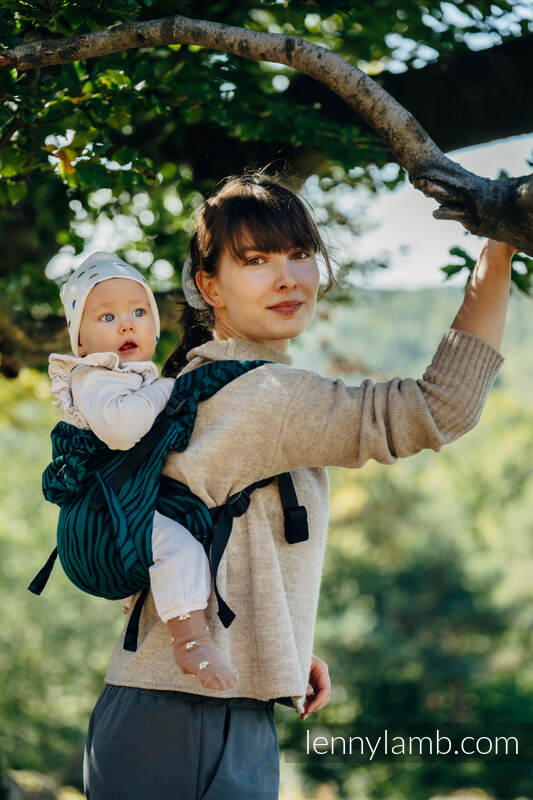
(139, 312)
(108, 317)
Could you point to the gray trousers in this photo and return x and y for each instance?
(149, 744)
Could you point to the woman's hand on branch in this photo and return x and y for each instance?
(503, 248)
(319, 687)
(507, 249)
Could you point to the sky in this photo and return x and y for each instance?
(417, 244)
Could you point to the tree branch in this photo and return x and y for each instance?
(389, 119)
(498, 209)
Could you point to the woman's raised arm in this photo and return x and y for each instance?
(484, 307)
(285, 418)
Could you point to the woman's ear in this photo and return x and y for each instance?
(208, 287)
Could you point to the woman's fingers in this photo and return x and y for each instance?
(320, 684)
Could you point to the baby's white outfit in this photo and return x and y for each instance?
(120, 404)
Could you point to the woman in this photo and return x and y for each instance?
(252, 285)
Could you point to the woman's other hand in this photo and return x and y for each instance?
(319, 688)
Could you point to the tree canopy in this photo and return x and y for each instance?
(140, 135)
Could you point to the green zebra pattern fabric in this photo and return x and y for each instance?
(107, 551)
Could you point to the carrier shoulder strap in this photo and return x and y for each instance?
(189, 389)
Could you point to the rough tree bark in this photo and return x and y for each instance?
(501, 210)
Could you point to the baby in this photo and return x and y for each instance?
(111, 387)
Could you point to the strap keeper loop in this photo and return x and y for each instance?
(296, 527)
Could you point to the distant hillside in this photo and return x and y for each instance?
(389, 333)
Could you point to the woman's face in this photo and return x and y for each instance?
(267, 297)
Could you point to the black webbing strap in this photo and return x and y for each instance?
(296, 529)
(235, 506)
(39, 582)
(141, 449)
(132, 631)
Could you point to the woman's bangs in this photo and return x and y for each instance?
(268, 228)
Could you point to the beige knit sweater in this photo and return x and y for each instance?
(275, 419)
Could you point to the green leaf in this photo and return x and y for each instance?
(82, 138)
(12, 162)
(125, 155)
(119, 117)
(521, 280)
(94, 175)
(113, 79)
(16, 190)
(452, 269)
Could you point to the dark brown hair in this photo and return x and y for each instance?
(276, 219)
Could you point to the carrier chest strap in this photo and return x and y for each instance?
(296, 528)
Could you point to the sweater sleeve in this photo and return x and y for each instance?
(117, 409)
(326, 423)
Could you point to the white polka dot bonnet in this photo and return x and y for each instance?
(98, 267)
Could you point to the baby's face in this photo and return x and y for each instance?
(117, 318)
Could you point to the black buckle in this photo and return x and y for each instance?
(296, 527)
(176, 403)
(237, 504)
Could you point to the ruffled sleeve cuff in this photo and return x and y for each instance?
(62, 365)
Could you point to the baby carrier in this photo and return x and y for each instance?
(108, 497)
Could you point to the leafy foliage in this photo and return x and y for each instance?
(521, 271)
(142, 135)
